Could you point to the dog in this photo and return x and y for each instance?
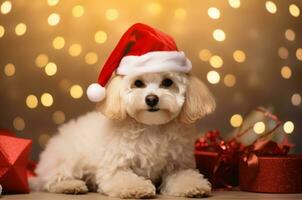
(140, 136)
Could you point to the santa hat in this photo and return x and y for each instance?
(142, 49)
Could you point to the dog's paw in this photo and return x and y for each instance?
(187, 183)
(138, 192)
(69, 187)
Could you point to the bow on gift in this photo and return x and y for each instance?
(225, 171)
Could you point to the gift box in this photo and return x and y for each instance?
(14, 154)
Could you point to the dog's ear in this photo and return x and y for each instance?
(112, 106)
(198, 102)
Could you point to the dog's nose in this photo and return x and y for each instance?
(151, 100)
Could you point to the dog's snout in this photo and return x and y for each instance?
(151, 100)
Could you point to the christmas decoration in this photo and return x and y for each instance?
(14, 153)
(219, 161)
(142, 49)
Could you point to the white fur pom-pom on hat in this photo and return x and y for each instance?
(96, 92)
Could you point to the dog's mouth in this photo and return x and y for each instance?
(153, 109)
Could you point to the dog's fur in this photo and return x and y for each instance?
(123, 150)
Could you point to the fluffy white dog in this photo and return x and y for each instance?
(141, 135)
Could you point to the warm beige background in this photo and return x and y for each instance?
(248, 27)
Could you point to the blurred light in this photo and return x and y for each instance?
(219, 35)
(213, 77)
(41, 60)
(76, 91)
(2, 31)
(286, 72)
(46, 99)
(296, 99)
(31, 101)
(271, 7)
(58, 117)
(288, 127)
(58, 42)
(100, 37)
(204, 54)
(234, 3)
(20, 29)
(214, 13)
(52, 2)
(6, 7)
(53, 19)
(259, 127)
(239, 56)
(91, 58)
(75, 50)
(51, 69)
(180, 13)
(290, 35)
(299, 54)
(9, 69)
(112, 14)
(283, 52)
(154, 8)
(43, 139)
(236, 120)
(229, 80)
(216, 61)
(294, 10)
(78, 11)
(19, 123)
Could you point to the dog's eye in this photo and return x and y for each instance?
(166, 82)
(139, 83)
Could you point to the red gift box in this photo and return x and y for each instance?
(14, 153)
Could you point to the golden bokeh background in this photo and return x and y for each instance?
(248, 52)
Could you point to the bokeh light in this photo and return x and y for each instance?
(286, 72)
(78, 11)
(288, 127)
(19, 123)
(236, 120)
(283, 52)
(205, 55)
(219, 35)
(91, 58)
(100, 37)
(6, 7)
(111, 14)
(180, 13)
(53, 19)
(52, 2)
(271, 7)
(154, 8)
(216, 61)
(46, 99)
(9, 69)
(259, 127)
(43, 139)
(296, 99)
(234, 3)
(239, 56)
(58, 117)
(2, 31)
(290, 35)
(41, 60)
(294, 10)
(299, 54)
(50, 69)
(20, 29)
(58, 42)
(213, 77)
(214, 13)
(229, 80)
(75, 50)
(31, 101)
(76, 91)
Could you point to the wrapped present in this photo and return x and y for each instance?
(227, 162)
(14, 157)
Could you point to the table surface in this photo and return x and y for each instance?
(216, 195)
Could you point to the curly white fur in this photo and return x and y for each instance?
(120, 154)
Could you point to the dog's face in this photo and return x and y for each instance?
(157, 98)
(154, 98)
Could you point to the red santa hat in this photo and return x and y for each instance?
(142, 49)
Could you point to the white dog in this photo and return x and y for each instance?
(141, 135)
